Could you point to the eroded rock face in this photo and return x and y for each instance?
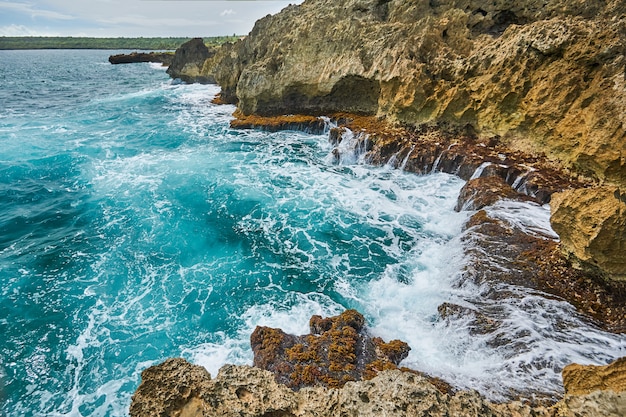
(188, 62)
(548, 75)
(338, 350)
(591, 223)
(543, 76)
(242, 391)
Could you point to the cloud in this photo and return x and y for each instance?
(34, 12)
(21, 30)
(227, 12)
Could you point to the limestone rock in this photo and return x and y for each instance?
(547, 75)
(178, 388)
(244, 391)
(591, 223)
(189, 60)
(338, 350)
(168, 387)
(499, 251)
(585, 379)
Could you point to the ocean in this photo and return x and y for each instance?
(135, 225)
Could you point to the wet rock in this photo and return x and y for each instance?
(499, 251)
(591, 223)
(188, 61)
(478, 322)
(338, 350)
(309, 124)
(585, 379)
(485, 191)
(164, 58)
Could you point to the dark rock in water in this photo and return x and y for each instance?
(478, 322)
(309, 124)
(338, 350)
(500, 252)
(164, 58)
(189, 60)
(485, 191)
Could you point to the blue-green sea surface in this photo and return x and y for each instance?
(135, 225)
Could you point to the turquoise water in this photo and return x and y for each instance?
(136, 226)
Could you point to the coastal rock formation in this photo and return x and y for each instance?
(245, 391)
(189, 60)
(338, 350)
(164, 58)
(592, 223)
(544, 77)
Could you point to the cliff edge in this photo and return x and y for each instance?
(543, 77)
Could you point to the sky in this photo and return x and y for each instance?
(133, 18)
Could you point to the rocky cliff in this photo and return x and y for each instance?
(541, 76)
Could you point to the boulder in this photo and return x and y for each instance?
(337, 350)
(188, 61)
(178, 388)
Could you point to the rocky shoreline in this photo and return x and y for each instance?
(525, 102)
(178, 388)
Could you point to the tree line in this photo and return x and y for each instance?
(69, 42)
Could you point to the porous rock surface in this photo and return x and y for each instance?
(593, 226)
(338, 349)
(545, 76)
(178, 388)
(585, 379)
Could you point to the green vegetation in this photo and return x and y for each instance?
(50, 42)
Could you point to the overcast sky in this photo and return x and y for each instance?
(133, 18)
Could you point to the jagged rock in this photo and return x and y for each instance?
(173, 385)
(485, 191)
(188, 61)
(243, 391)
(543, 76)
(585, 379)
(164, 58)
(591, 223)
(338, 350)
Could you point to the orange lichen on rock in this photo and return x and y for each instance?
(338, 350)
(305, 123)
